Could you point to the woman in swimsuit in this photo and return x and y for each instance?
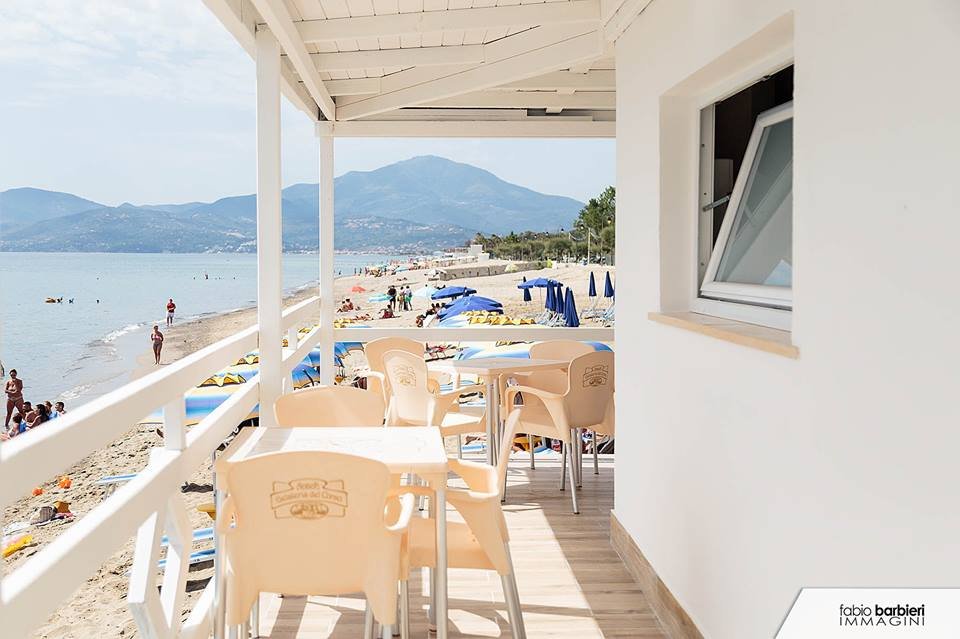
(14, 390)
(157, 338)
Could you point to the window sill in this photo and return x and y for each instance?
(769, 340)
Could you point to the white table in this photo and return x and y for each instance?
(491, 368)
(415, 450)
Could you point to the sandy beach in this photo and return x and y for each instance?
(99, 608)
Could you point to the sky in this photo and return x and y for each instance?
(152, 101)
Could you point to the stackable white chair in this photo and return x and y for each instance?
(376, 349)
(330, 406)
(481, 541)
(412, 403)
(554, 381)
(308, 523)
(584, 403)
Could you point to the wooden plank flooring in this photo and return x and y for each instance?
(572, 584)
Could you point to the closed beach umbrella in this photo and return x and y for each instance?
(592, 287)
(608, 286)
(559, 299)
(550, 294)
(570, 310)
(452, 291)
(526, 291)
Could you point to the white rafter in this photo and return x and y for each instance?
(560, 80)
(358, 86)
(242, 25)
(543, 127)
(275, 14)
(524, 55)
(414, 57)
(530, 100)
(524, 15)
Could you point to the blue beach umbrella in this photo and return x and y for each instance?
(526, 290)
(570, 311)
(607, 286)
(452, 291)
(550, 295)
(426, 291)
(559, 299)
(471, 303)
(592, 286)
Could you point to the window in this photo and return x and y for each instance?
(752, 259)
(745, 246)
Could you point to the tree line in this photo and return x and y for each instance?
(593, 232)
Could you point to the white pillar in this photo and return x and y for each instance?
(324, 131)
(269, 236)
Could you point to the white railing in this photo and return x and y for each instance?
(150, 505)
(30, 593)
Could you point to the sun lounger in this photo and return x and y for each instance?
(197, 557)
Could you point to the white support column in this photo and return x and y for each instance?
(326, 254)
(269, 235)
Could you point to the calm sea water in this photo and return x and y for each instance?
(78, 351)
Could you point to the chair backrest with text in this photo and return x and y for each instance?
(590, 389)
(411, 401)
(330, 406)
(309, 523)
(560, 349)
(376, 349)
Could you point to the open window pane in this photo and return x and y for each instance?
(758, 248)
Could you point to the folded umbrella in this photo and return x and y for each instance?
(526, 290)
(608, 286)
(592, 286)
(570, 310)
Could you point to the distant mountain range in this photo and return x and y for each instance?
(421, 204)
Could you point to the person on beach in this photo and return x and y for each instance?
(387, 313)
(171, 307)
(409, 298)
(40, 415)
(14, 390)
(58, 410)
(392, 293)
(157, 338)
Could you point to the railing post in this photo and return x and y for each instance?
(326, 254)
(269, 227)
(174, 417)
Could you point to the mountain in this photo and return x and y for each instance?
(421, 204)
(422, 188)
(19, 207)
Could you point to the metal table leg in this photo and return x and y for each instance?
(440, 596)
(490, 395)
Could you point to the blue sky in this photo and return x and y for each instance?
(151, 101)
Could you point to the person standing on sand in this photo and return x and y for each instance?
(171, 307)
(157, 338)
(14, 390)
(392, 293)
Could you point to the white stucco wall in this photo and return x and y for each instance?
(751, 475)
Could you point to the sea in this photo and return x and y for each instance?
(74, 352)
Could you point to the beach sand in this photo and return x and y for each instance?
(99, 608)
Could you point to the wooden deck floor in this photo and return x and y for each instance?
(572, 584)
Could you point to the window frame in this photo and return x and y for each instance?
(775, 299)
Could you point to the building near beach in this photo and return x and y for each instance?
(787, 213)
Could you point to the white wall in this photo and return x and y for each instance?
(753, 475)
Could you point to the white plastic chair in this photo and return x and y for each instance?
(330, 406)
(309, 523)
(413, 404)
(583, 404)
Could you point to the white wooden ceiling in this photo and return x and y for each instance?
(439, 60)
